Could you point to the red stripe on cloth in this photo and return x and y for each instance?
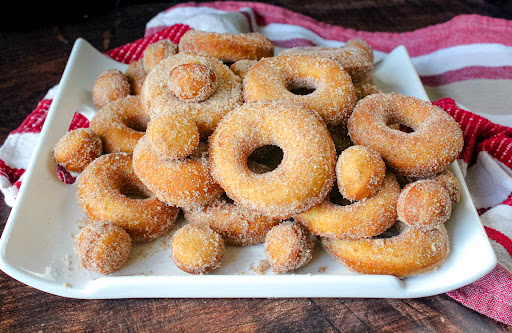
(500, 238)
(480, 134)
(461, 30)
(64, 175)
(135, 50)
(491, 295)
(12, 174)
(35, 120)
(78, 121)
(469, 73)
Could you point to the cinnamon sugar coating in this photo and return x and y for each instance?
(77, 148)
(108, 190)
(192, 82)
(227, 47)
(111, 85)
(333, 94)
(156, 52)
(136, 75)
(102, 247)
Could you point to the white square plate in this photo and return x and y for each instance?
(36, 246)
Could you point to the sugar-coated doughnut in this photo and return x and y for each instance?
(241, 67)
(424, 204)
(136, 75)
(156, 52)
(77, 148)
(411, 252)
(365, 218)
(237, 225)
(359, 171)
(120, 124)
(227, 47)
(288, 246)
(157, 96)
(303, 178)
(197, 249)
(102, 247)
(109, 86)
(184, 182)
(333, 96)
(356, 57)
(108, 189)
(450, 183)
(435, 142)
(172, 135)
(192, 82)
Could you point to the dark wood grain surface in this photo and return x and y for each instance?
(33, 54)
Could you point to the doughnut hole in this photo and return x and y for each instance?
(424, 204)
(360, 171)
(450, 183)
(156, 52)
(288, 246)
(102, 247)
(173, 135)
(192, 82)
(197, 249)
(111, 85)
(77, 148)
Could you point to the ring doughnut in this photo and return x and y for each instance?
(103, 193)
(288, 246)
(333, 96)
(424, 204)
(156, 52)
(77, 148)
(227, 47)
(435, 142)
(356, 57)
(157, 96)
(183, 182)
(120, 124)
(303, 178)
(359, 171)
(236, 225)
(410, 252)
(366, 218)
(111, 85)
(102, 247)
(197, 249)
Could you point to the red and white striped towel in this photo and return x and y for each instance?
(467, 60)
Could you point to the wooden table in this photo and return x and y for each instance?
(33, 57)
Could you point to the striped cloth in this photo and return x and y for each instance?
(464, 64)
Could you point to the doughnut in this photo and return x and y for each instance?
(197, 249)
(77, 148)
(356, 57)
(227, 47)
(282, 77)
(109, 190)
(241, 67)
(288, 246)
(359, 171)
(102, 247)
(303, 178)
(109, 86)
(136, 75)
(365, 218)
(424, 204)
(192, 82)
(183, 183)
(172, 135)
(237, 225)
(156, 52)
(120, 124)
(411, 252)
(435, 142)
(157, 96)
(451, 184)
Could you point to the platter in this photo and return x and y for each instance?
(36, 246)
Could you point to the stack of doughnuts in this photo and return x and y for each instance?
(254, 147)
